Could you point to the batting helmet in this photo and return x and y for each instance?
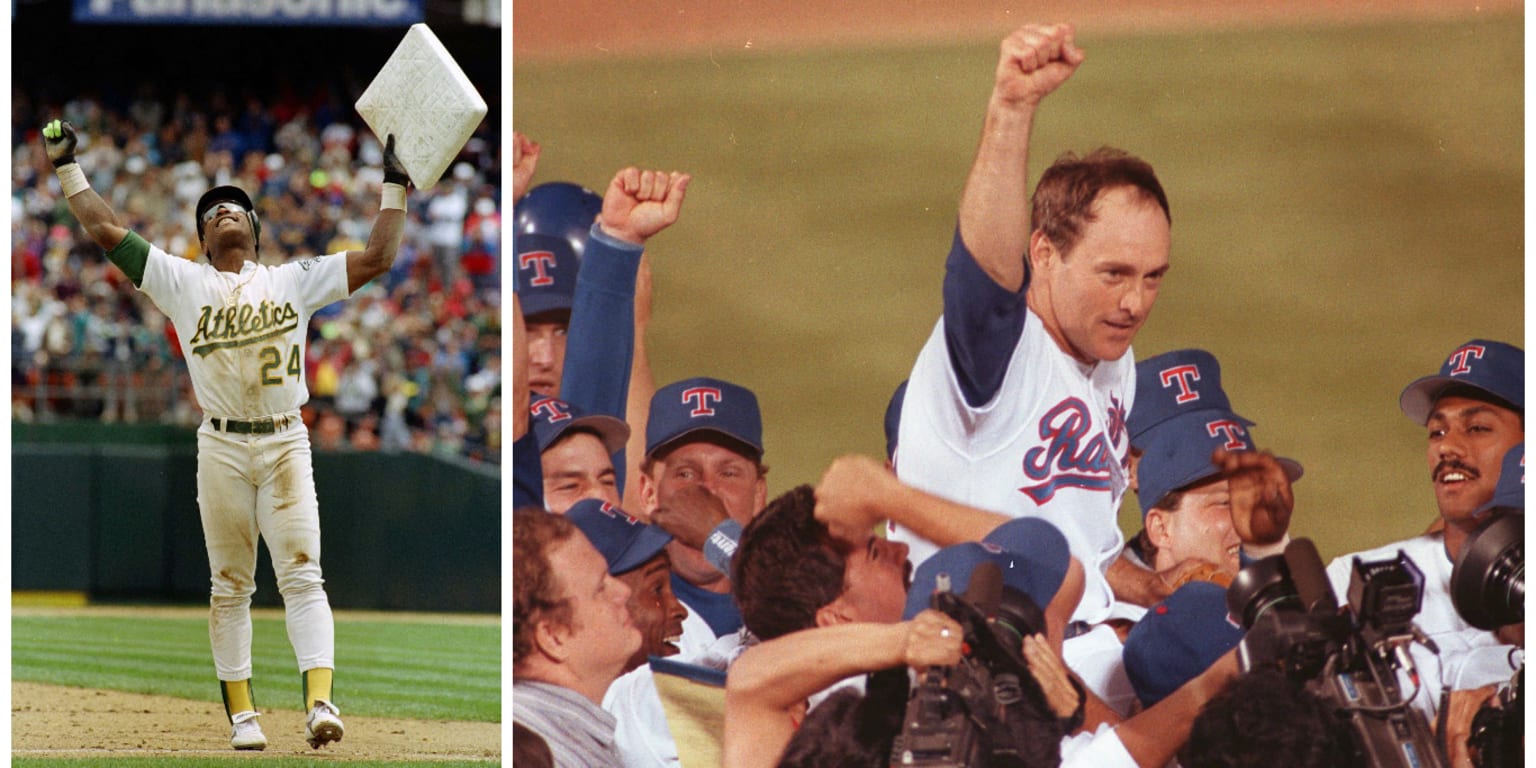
(227, 194)
(558, 209)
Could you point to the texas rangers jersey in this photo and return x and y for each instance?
(1051, 443)
(243, 336)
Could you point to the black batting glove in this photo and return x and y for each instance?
(59, 142)
(394, 170)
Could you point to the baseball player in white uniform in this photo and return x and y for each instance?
(242, 327)
(1018, 401)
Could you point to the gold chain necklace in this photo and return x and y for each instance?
(233, 297)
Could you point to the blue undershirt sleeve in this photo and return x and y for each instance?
(600, 344)
(527, 473)
(983, 322)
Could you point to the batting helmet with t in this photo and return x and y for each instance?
(227, 194)
(558, 209)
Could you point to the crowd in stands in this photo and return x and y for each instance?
(410, 363)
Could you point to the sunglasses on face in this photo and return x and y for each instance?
(213, 211)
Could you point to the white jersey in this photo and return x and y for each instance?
(1469, 657)
(244, 335)
(1051, 443)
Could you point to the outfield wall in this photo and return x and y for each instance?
(113, 513)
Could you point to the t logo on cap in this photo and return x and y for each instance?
(541, 262)
(550, 410)
(1461, 359)
(1184, 376)
(701, 398)
(618, 514)
(1233, 430)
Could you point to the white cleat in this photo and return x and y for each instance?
(324, 725)
(246, 733)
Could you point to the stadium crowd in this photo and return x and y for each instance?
(411, 363)
(971, 600)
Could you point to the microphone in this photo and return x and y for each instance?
(1310, 578)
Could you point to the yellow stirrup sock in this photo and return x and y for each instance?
(317, 685)
(237, 697)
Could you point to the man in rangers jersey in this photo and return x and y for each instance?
(1473, 412)
(1018, 401)
(242, 327)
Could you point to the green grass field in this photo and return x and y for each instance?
(1347, 203)
(398, 668)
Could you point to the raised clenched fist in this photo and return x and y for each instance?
(59, 142)
(1035, 60)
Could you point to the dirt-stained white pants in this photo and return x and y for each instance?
(252, 487)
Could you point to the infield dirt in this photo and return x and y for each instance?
(55, 721)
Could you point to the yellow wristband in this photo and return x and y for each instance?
(393, 197)
(72, 179)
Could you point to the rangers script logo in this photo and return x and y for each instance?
(1067, 461)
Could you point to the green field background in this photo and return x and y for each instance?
(1347, 206)
(417, 666)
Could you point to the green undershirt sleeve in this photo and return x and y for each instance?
(130, 256)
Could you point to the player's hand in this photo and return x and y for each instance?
(1462, 708)
(1051, 674)
(1262, 501)
(1035, 60)
(59, 142)
(639, 204)
(394, 170)
(931, 639)
(525, 157)
(1194, 569)
(689, 514)
(847, 494)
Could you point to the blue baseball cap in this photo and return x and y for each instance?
(1037, 571)
(551, 418)
(1177, 453)
(1510, 492)
(1490, 366)
(693, 406)
(1178, 639)
(893, 419)
(626, 543)
(546, 273)
(1175, 383)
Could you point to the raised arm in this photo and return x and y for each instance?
(525, 158)
(384, 241)
(607, 312)
(769, 683)
(994, 206)
(1154, 735)
(93, 213)
(858, 492)
(642, 386)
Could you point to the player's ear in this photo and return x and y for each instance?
(1156, 523)
(1041, 249)
(834, 613)
(551, 638)
(648, 491)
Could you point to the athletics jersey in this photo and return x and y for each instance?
(1047, 440)
(244, 335)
